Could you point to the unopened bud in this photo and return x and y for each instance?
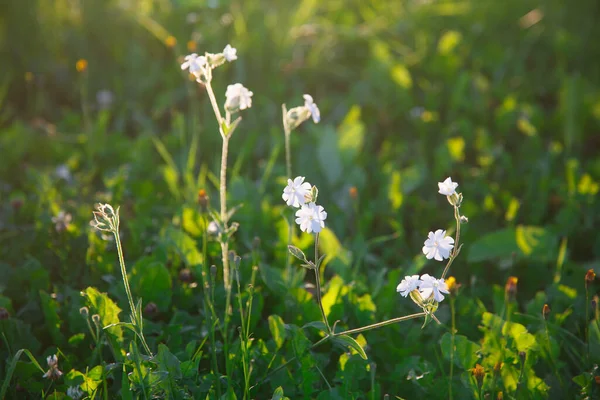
(522, 356)
(545, 311)
(500, 396)
(589, 277)
(451, 284)
(213, 272)
(96, 319)
(498, 368)
(203, 200)
(4, 313)
(84, 311)
(479, 373)
(511, 286)
(353, 192)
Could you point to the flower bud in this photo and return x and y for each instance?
(186, 276)
(545, 311)
(151, 309)
(213, 272)
(510, 289)
(500, 396)
(84, 311)
(463, 219)
(498, 368)
(522, 356)
(479, 373)
(353, 192)
(4, 313)
(203, 200)
(96, 319)
(589, 277)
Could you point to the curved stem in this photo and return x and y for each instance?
(318, 283)
(380, 324)
(215, 106)
(456, 245)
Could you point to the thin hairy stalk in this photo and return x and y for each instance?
(243, 339)
(213, 103)
(135, 317)
(318, 283)
(456, 245)
(380, 324)
(223, 199)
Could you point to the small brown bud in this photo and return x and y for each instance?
(511, 286)
(203, 199)
(545, 311)
(498, 367)
(353, 192)
(4, 313)
(589, 277)
(151, 309)
(479, 373)
(185, 275)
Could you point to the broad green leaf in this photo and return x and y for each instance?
(151, 281)
(336, 289)
(102, 305)
(524, 340)
(192, 221)
(525, 241)
(277, 328)
(184, 244)
(465, 351)
(351, 343)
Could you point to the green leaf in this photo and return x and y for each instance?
(465, 351)
(151, 281)
(523, 340)
(524, 241)
(184, 244)
(13, 365)
(278, 394)
(277, 328)
(102, 305)
(351, 343)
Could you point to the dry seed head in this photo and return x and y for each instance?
(589, 277)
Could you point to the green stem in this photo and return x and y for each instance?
(215, 106)
(379, 324)
(453, 317)
(318, 283)
(135, 317)
(288, 165)
(456, 245)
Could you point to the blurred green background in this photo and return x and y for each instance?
(504, 97)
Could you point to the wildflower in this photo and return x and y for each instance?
(63, 172)
(81, 65)
(408, 284)
(230, 53)
(510, 289)
(353, 192)
(237, 98)
(62, 221)
(479, 373)
(438, 245)
(104, 98)
(203, 199)
(213, 228)
(195, 64)
(53, 371)
(191, 45)
(84, 311)
(589, 277)
(295, 192)
(447, 188)
(151, 309)
(170, 41)
(74, 392)
(311, 106)
(106, 218)
(451, 284)
(545, 311)
(429, 285)
(311, 217)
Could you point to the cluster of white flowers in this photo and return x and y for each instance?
(437, 246)
(299, 194)
(427, 285)
(53, 371)
(237, 96)
(75, 392)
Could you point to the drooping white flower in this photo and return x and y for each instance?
(295, 192)
(431, 285)
(74, 392)
(53, 371)
(196, 64)
(311, 218)
(230, 53)
(237, 98)
(312, 108)
(447, 188)
(408, 284)
(438, 245)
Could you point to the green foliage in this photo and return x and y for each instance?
(502, 96)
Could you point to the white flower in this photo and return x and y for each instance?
(74, 392)
(408, 284)
(230, 53)
(438, 245)
(312, 108)
(104, 98)
(53, 371)
(62, 221)
(431, 285)
(213, 228)
(311, 217)
(295, 192)
(63, 172)
(238, 98)
(447, 188)
(195, 64)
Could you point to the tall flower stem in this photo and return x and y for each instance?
(318, 283)
(288, 167)
(456, 244)
(223, 200)
(380, 324)
(135, 317)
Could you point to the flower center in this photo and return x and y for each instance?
(436, 284)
